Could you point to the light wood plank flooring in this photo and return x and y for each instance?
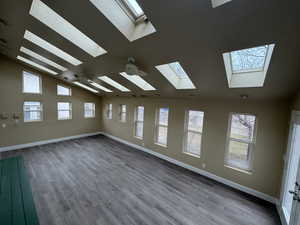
(98, 181)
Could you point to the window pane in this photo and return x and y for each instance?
(242, 127)
(63, 106)
(134, 6)
(162, 135)
(139, 129)
(61, 90)
(140, 113)
(31, 83)
(249, 59)
(195, 120)
(123, 117)
(239, 153)
(123, 108)
(32, 111)
(89, 113)
(64, 114)
(163, 116)
(193, 143)
(89, 106)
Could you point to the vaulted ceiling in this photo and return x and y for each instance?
(190, 31)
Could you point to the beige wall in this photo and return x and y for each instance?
(12, 98)
(270, 144)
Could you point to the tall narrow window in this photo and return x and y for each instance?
(89, 110)
(64, 91)
(32, 111)
(240, 141)
(193, 132)
(31, 83)
(123, 113)
(139, 122)
(64, 110)
(109, 111)
(162, 118)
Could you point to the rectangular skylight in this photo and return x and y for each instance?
(50, 18)
(36, 65)
(42, 58)
(85, 87)
(50, 48)
(176, 75)
(138, 81)
(134, 7)
(217, 3)
(113, 83)
(96, 85)
(248, 60)
(248, 67)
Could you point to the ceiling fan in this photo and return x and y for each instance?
(132, 69)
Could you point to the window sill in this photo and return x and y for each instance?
(33, 121)
(140, 138)
(162, 145)
(191, 154)
(249, 172)
(65, 119)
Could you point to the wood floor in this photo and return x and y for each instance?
(98, 181)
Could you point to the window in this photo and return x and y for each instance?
(32, 111)
(51, 48)
(176, 75)
(85, 87)
(31, 83)
(64, 110)
(123, 113)
(193, 132)
(248, 67)
(240, 141)
(113, 83)
(138, 81)
(62, 90)
(89, 110)
(109, 111)
(50, 18)
(34, 64)
(139, 122)
(161, 134)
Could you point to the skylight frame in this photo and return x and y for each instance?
(247, 78)
(85, 87)
(36, 65)
(96, 85)
(113, 83)
(53, 20)
(50, 48)
(42, 59)
(138, 81)
(130, 10)
(179, 82)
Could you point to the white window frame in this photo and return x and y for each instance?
(109, 112)
(136, 121)
(252, 144)
(158, 125)
(186, 131)
(71, 114)
(70, 90)
(127, 8)
(40, 83)
(93, 110)
(121, 113)
(41, 112)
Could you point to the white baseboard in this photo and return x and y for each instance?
(27, 145)
(199, 171)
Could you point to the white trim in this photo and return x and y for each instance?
(199, 171)
(32, 144)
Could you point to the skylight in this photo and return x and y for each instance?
(85, 87)
(50, 48)
(251, 59)
(42, 58)
(36, 65)
(134, 8)
(113, 83)
(99, 86)
(138, 81)
(217, 3)
(248, 67)
(176, 75)
(50, 18)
